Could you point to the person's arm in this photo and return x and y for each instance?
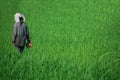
(27, 34)
(14, 33)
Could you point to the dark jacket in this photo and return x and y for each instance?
(20, 34)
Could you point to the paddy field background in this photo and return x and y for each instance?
(72, 40)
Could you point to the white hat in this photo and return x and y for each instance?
(17, 16)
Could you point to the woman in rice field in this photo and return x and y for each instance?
(20, 33)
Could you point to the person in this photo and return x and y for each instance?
(20, 32)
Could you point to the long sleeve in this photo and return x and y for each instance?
(14, 33)
(27, 34)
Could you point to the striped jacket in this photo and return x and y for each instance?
(20, 34)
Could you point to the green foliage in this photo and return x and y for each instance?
(72, 40)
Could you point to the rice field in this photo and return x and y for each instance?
(72, 40)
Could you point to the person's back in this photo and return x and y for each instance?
(20, 34)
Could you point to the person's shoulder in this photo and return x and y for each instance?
(16, 24)
(25, 24)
